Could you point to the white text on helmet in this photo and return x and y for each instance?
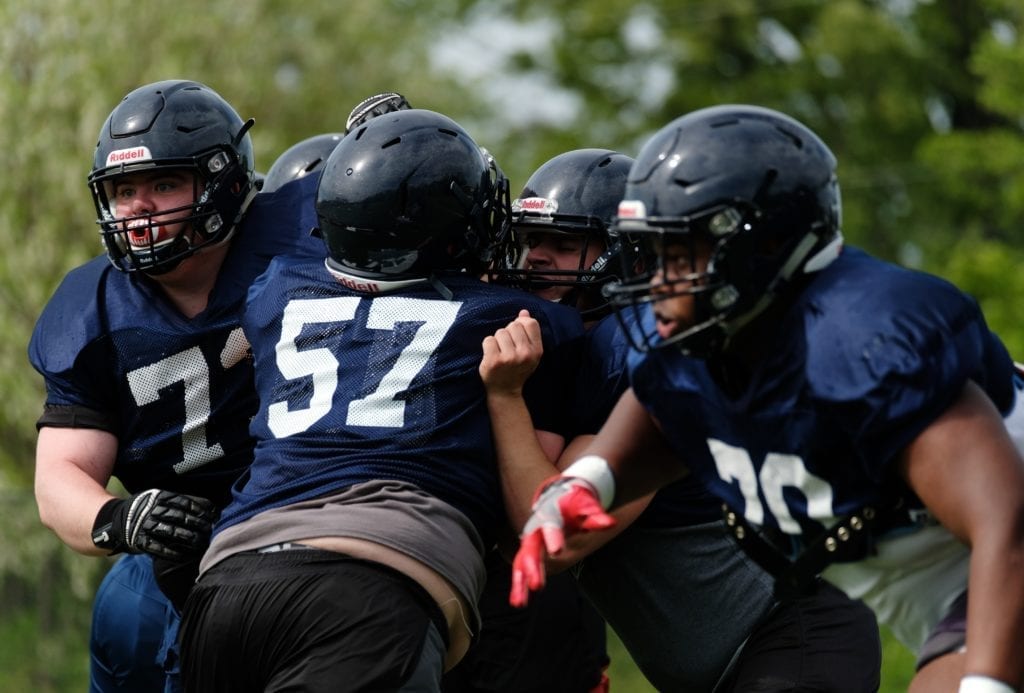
(365, 287)
(537, 205)
(120, 156)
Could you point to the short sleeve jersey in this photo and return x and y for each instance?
(868, 357)
(178, 393)
(357, 385)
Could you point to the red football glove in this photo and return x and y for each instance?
(564, 507)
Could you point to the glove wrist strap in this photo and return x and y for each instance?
(596, 472)
(106, 534)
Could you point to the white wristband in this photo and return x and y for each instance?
(983, 684)
(595, 471)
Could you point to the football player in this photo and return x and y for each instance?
(675, 587)
(148, 378)
(855, 417)
(351, 556)
(558, 642)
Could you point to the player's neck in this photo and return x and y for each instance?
(188, 285)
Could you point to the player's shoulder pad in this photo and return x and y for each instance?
(73, 317)
(867, 323)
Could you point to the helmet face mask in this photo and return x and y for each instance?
(566, 207)
(752, 190)
(159, 232)
(165, 127)
(567, 237)
(408, 194)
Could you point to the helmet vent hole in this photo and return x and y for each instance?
(391, 143)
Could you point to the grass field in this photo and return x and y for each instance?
(897, 667)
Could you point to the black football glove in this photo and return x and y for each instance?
(160, 523)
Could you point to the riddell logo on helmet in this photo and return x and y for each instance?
(365, 287)
(126, 156)
(537, 205)
(632, 209)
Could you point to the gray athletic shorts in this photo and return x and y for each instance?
(681, 599)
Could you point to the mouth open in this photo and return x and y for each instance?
(144, 235)
(666, 327)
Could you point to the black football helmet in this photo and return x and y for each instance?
(173, 124)
(301, 159)
(577, 194)
(754, 185)
(407, 195)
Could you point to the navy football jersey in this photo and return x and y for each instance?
(602, 380)
(356, 386)
(869, 355)
(178, 393)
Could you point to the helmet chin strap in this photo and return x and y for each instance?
(797, 259)
(241, 214)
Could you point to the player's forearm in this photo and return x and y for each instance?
(995, 617)
(580, 545)
(72, 468)
(68, 505)
(522, 462)
(637, 454)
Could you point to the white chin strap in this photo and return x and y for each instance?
(820, 260)
(824, 257)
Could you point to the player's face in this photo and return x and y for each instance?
(565, 252)
(154, 206)
(681, 266)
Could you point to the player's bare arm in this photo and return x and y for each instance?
(975, 506)
(73, 466)
(525, 456)
(510, 357)
(627, 460)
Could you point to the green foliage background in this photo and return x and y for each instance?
(922, 101)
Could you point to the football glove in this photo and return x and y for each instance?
(160, 523)
(564, 506)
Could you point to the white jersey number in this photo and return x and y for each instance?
(189, 368)
(777, 472)
(380, 407)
